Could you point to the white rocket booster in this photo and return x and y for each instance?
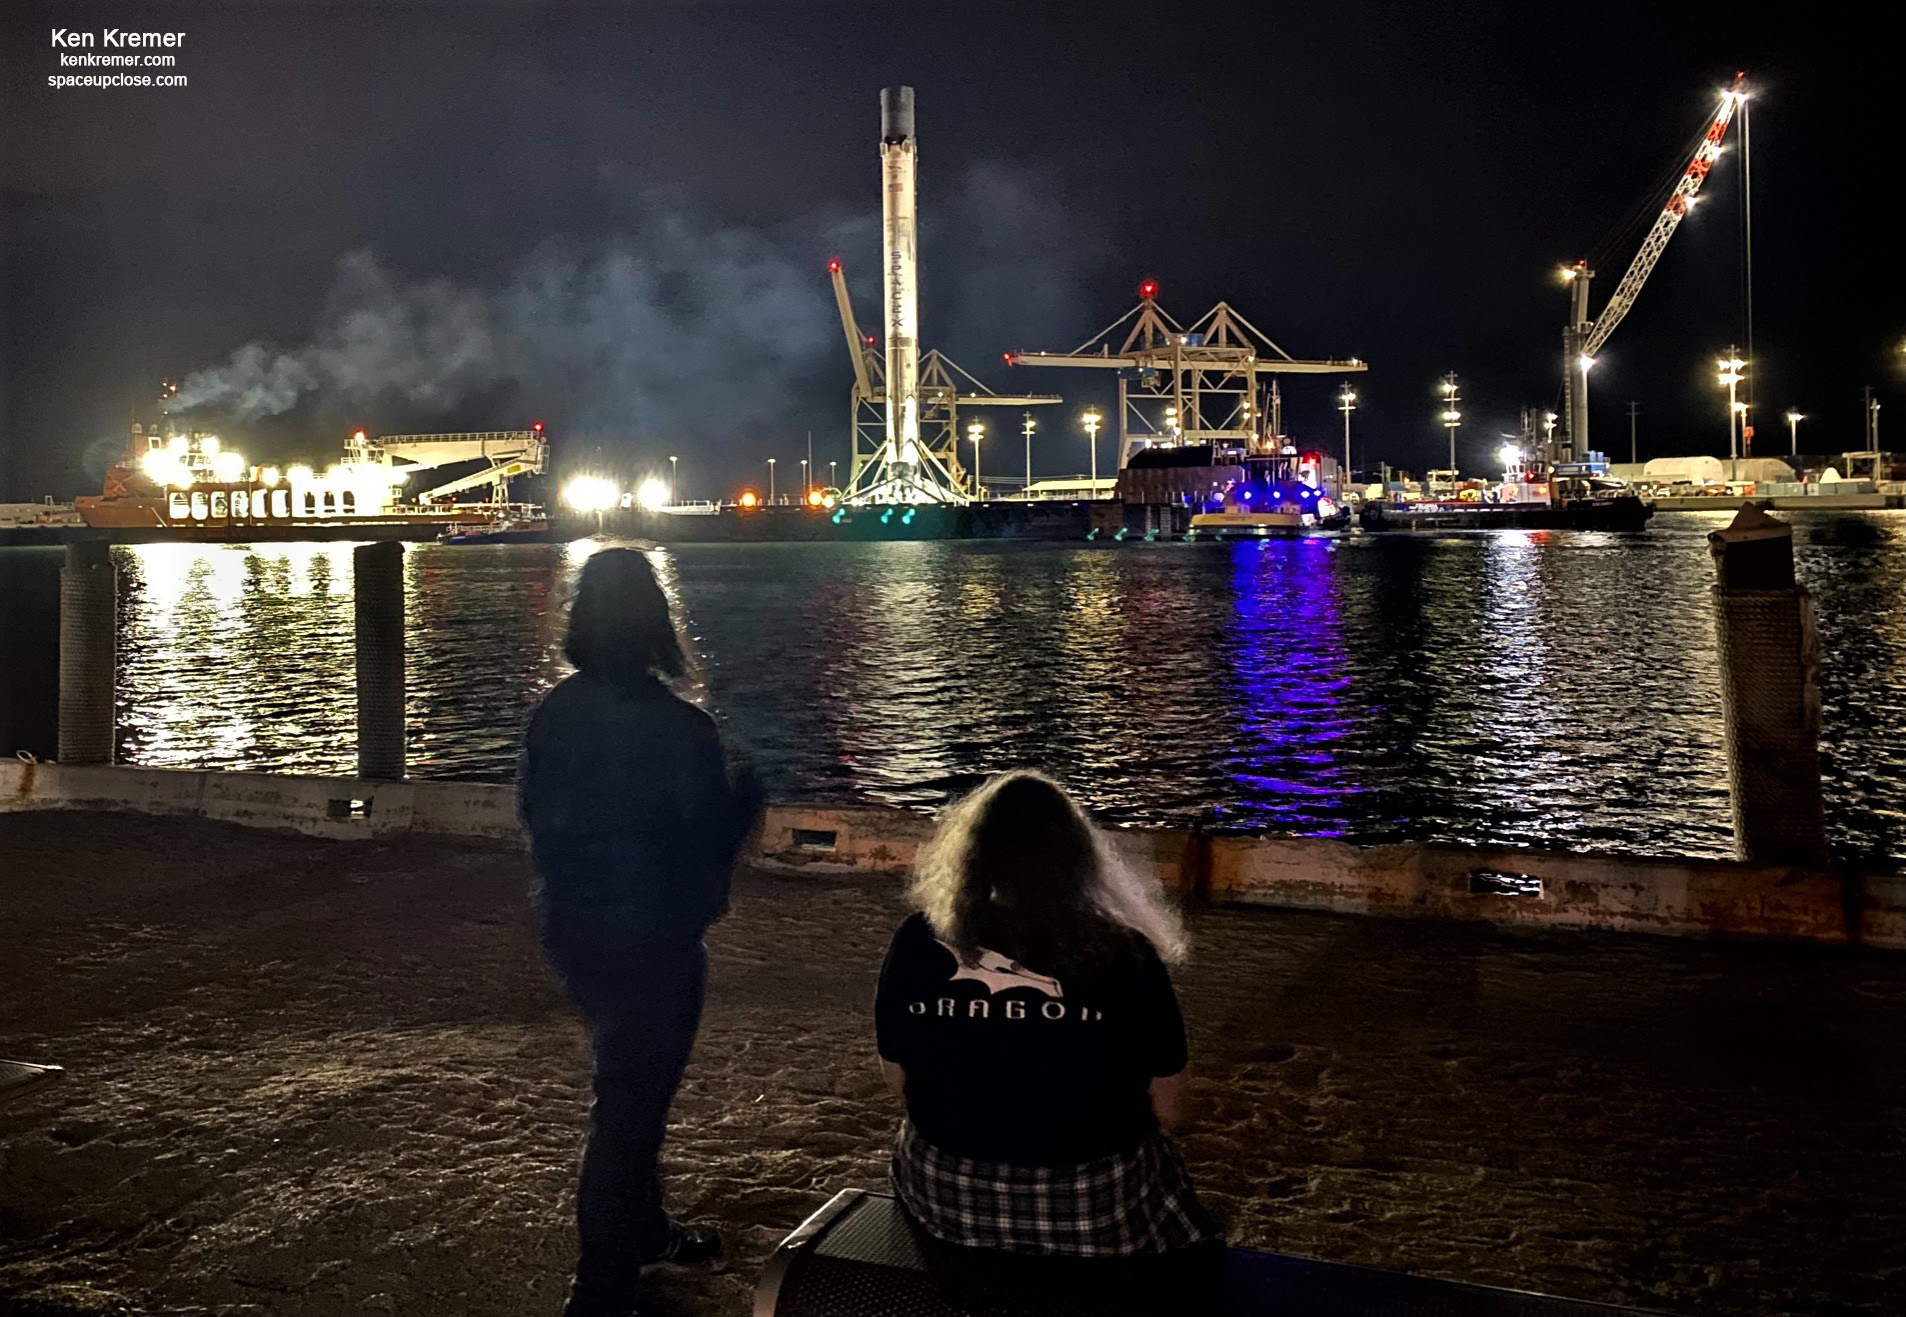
(899, 155)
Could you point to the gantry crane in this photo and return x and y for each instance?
(1190, 384)
(1582, 338)
(938, 475)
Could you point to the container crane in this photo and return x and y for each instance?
(1198, 383)
(1582, 338)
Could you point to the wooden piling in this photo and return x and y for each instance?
(1770, 664)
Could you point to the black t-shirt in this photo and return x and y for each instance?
(1007, 1063)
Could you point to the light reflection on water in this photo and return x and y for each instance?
(1545, 687)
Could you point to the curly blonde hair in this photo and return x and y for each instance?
(1018, 861)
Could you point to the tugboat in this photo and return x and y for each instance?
(527, 527)
(1277, 496)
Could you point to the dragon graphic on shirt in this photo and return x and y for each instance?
(999, 973)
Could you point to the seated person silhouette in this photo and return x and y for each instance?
(1026, 1017)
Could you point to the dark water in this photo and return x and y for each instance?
(1542, 687)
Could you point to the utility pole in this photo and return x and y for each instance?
(1872, 421)
(1634, 451)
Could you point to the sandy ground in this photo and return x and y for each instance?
(323, 1078)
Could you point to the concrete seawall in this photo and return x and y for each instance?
(1503, 885)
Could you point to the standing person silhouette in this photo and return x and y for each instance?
(1026, 1017)
(634, 822)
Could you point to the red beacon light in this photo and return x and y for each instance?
(1009, 358)
(1148, 289)
(833, 266)
(536, 427)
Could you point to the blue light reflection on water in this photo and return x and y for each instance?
(1292, 685)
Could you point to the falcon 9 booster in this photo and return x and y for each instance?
(899, 156)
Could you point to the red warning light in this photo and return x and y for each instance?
(537, 426)
(870, 340)
(833, 267)
(1148, 289)
(1009, 358)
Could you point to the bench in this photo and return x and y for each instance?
(860, 1256)
(19, 1077)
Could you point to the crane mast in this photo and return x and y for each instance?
(1582, 338)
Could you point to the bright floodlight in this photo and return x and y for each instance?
(1511, 457)
(1795, 417)
(159, 464)
(1585, 361)
(298, 473)
(590, 494)
(268, 475)
(228, 466)
(652, 494)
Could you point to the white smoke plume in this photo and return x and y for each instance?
(678, 321)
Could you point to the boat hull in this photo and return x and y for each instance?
(1623, 513)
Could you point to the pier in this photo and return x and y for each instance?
(322, 1076)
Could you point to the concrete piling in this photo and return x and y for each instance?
(1770, 664)
(89, 602)
(378, 583)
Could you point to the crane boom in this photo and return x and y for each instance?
(1582, 337)
(1665, 224)
(856, 343)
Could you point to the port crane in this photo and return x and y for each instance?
(1582, 337)
(1188, 384)
(938, 476)
(506, 454)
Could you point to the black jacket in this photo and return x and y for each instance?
(633, 817)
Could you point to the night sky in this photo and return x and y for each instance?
(616, 219)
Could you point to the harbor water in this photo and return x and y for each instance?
(1549, 688)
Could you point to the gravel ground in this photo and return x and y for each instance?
(314, 1078)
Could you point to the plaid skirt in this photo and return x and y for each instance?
(1130, 1203)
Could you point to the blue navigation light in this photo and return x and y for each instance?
(1277, 493)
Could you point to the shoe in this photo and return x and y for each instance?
(688, 1246)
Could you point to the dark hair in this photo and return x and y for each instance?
(620, 627)
(1017, 867)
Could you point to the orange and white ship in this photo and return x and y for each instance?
(189, 484)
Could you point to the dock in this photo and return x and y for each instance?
(324, 1075)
